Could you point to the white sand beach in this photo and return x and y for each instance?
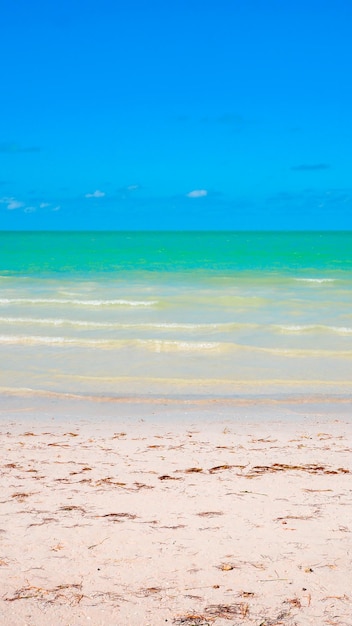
(176, 514)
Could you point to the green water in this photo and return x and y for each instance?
(199, 314)
(95, 252)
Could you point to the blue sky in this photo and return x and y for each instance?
(131, 114)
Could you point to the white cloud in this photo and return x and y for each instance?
(11, 203)
(132, 187)
(14, 204)
(43, 205)
(95, 194)
(56, 208)
(30, 209)
(197, 193)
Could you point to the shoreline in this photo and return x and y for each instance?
(11, 394)
(186, 513)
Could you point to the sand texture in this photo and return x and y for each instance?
(140, 523)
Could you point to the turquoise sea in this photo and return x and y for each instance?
(174, 314)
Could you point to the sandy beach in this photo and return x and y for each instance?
(178, 514)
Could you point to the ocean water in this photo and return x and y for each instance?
(183, 314)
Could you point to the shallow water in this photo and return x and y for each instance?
(175, 314)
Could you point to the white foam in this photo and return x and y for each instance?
(184, 346)
(296, 328)
(316, 280)
(343, 330)
(153, 344)
(34, 340)
(159, 346)
(40, 340)
(95, 303)
(52, 321)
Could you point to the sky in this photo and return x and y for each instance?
(186, 114)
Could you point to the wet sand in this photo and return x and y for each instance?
(175, 513)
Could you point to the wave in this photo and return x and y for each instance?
(53, 321)
(56, 322)
(88, 303)
(288, 329)
(316, 280)
(159, 345)
(176, 326)
(308, 328)
(155, 344)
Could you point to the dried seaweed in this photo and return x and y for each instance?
(21, 496)
(294, 517)
(192, 620)
(46, 520)
(311, 468)
(228, 611)
(167, 477)
(316, 490)
(72, 507)
(294, 602)
(210, 513)
(219, 468)
(119, 517)
(174, 527)
(148, 591)
(62, 594)
(138, 486)
(110, 596)
(246, 594)
(109, 481)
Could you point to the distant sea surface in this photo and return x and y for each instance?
(176, 314)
